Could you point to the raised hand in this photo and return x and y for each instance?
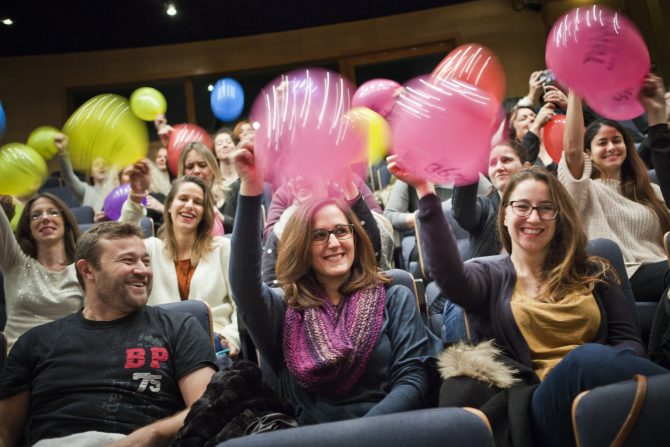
(422, 186)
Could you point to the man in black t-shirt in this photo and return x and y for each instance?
(115, 367)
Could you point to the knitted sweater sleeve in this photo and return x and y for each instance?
(468, 285)
(261, 308)
(131, 212)
(12, 254)
(412, 345)
(579, 188)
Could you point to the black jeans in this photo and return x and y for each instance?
(650, 281)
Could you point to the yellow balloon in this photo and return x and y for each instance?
(22, 170)
(42, 140)
(104, 127)
(375, 132)
(18, 210)
(147, 103)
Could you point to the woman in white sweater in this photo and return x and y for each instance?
(610, 184)
(40, 280)
(187, 261)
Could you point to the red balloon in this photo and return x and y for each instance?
(475, 64)
(181, 135)
(552, 137)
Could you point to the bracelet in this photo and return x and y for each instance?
(137, 195)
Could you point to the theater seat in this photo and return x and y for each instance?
(435, 427)
(199, 309)
(631, 411)
(65, 194)
(83, 214)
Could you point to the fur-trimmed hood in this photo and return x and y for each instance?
(479, 362)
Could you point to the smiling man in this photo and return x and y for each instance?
(116, 368)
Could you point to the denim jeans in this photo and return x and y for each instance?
(586, 367)
(453, 329)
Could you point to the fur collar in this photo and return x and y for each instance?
(478, 362)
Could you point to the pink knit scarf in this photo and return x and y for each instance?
(327, 351)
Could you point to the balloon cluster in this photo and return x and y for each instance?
(601, 55)
(105, 127)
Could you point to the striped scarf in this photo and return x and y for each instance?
(326, 350)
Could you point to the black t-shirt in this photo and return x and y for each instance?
(114, 376)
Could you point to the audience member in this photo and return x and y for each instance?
(160, 176)
(305, 189)
(189, 262)
(40, 283)
(116, 368)
(342, 342)
(223, 146)
(609, 183)
(549, 305)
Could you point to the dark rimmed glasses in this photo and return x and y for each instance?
(546, 211)
(341, 232)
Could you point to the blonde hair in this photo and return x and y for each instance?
(219, 190)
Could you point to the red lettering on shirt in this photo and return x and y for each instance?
(135, 358)
(158, 355)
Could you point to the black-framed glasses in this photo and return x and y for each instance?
(546, 211)
(51, 212)
(341, 232)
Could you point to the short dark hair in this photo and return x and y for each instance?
(24, 235)
(88, 245)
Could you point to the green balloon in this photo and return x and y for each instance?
(104, 127)
(22, 170)
(147, 103)
(42, 140)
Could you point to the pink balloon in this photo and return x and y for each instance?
(180, 136)
(301, 126)
(619, 106)
(594, 50)
(442, 129)
(377, 95)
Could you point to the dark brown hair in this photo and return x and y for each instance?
(635, 183)
(24, 235)
(294, 264)
(568, 267)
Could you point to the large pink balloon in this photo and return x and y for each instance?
(301, 126)
(180, 136)
(442, 129)
(621, 105)
(595, 50)
(377, 95)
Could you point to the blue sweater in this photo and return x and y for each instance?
(397, 375)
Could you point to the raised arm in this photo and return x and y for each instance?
(140, 179)
(10, 251)
(77, 186)
(652, 97)
(573, 138)
(466, 209)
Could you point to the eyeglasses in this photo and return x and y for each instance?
(341, 232)
(547, 211)
(53, 212)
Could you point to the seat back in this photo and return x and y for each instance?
(199, 309)
(65, 194)
(631, 412)
(83, 214)
(434, 427)
(147, 225)
(406, 279)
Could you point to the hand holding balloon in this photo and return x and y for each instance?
(61, 141)
(244, 160)
(543, 116)
(140, 179)
(652, 97)
(423, 187)
(555, 96)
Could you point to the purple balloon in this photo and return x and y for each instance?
(376, 94)
(115, 199)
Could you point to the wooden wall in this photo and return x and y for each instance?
(33, 89)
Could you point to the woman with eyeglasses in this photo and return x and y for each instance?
(37, 265)
(342, 342)
(610, 185)
(553, 309)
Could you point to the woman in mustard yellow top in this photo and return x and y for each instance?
(553, 308)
